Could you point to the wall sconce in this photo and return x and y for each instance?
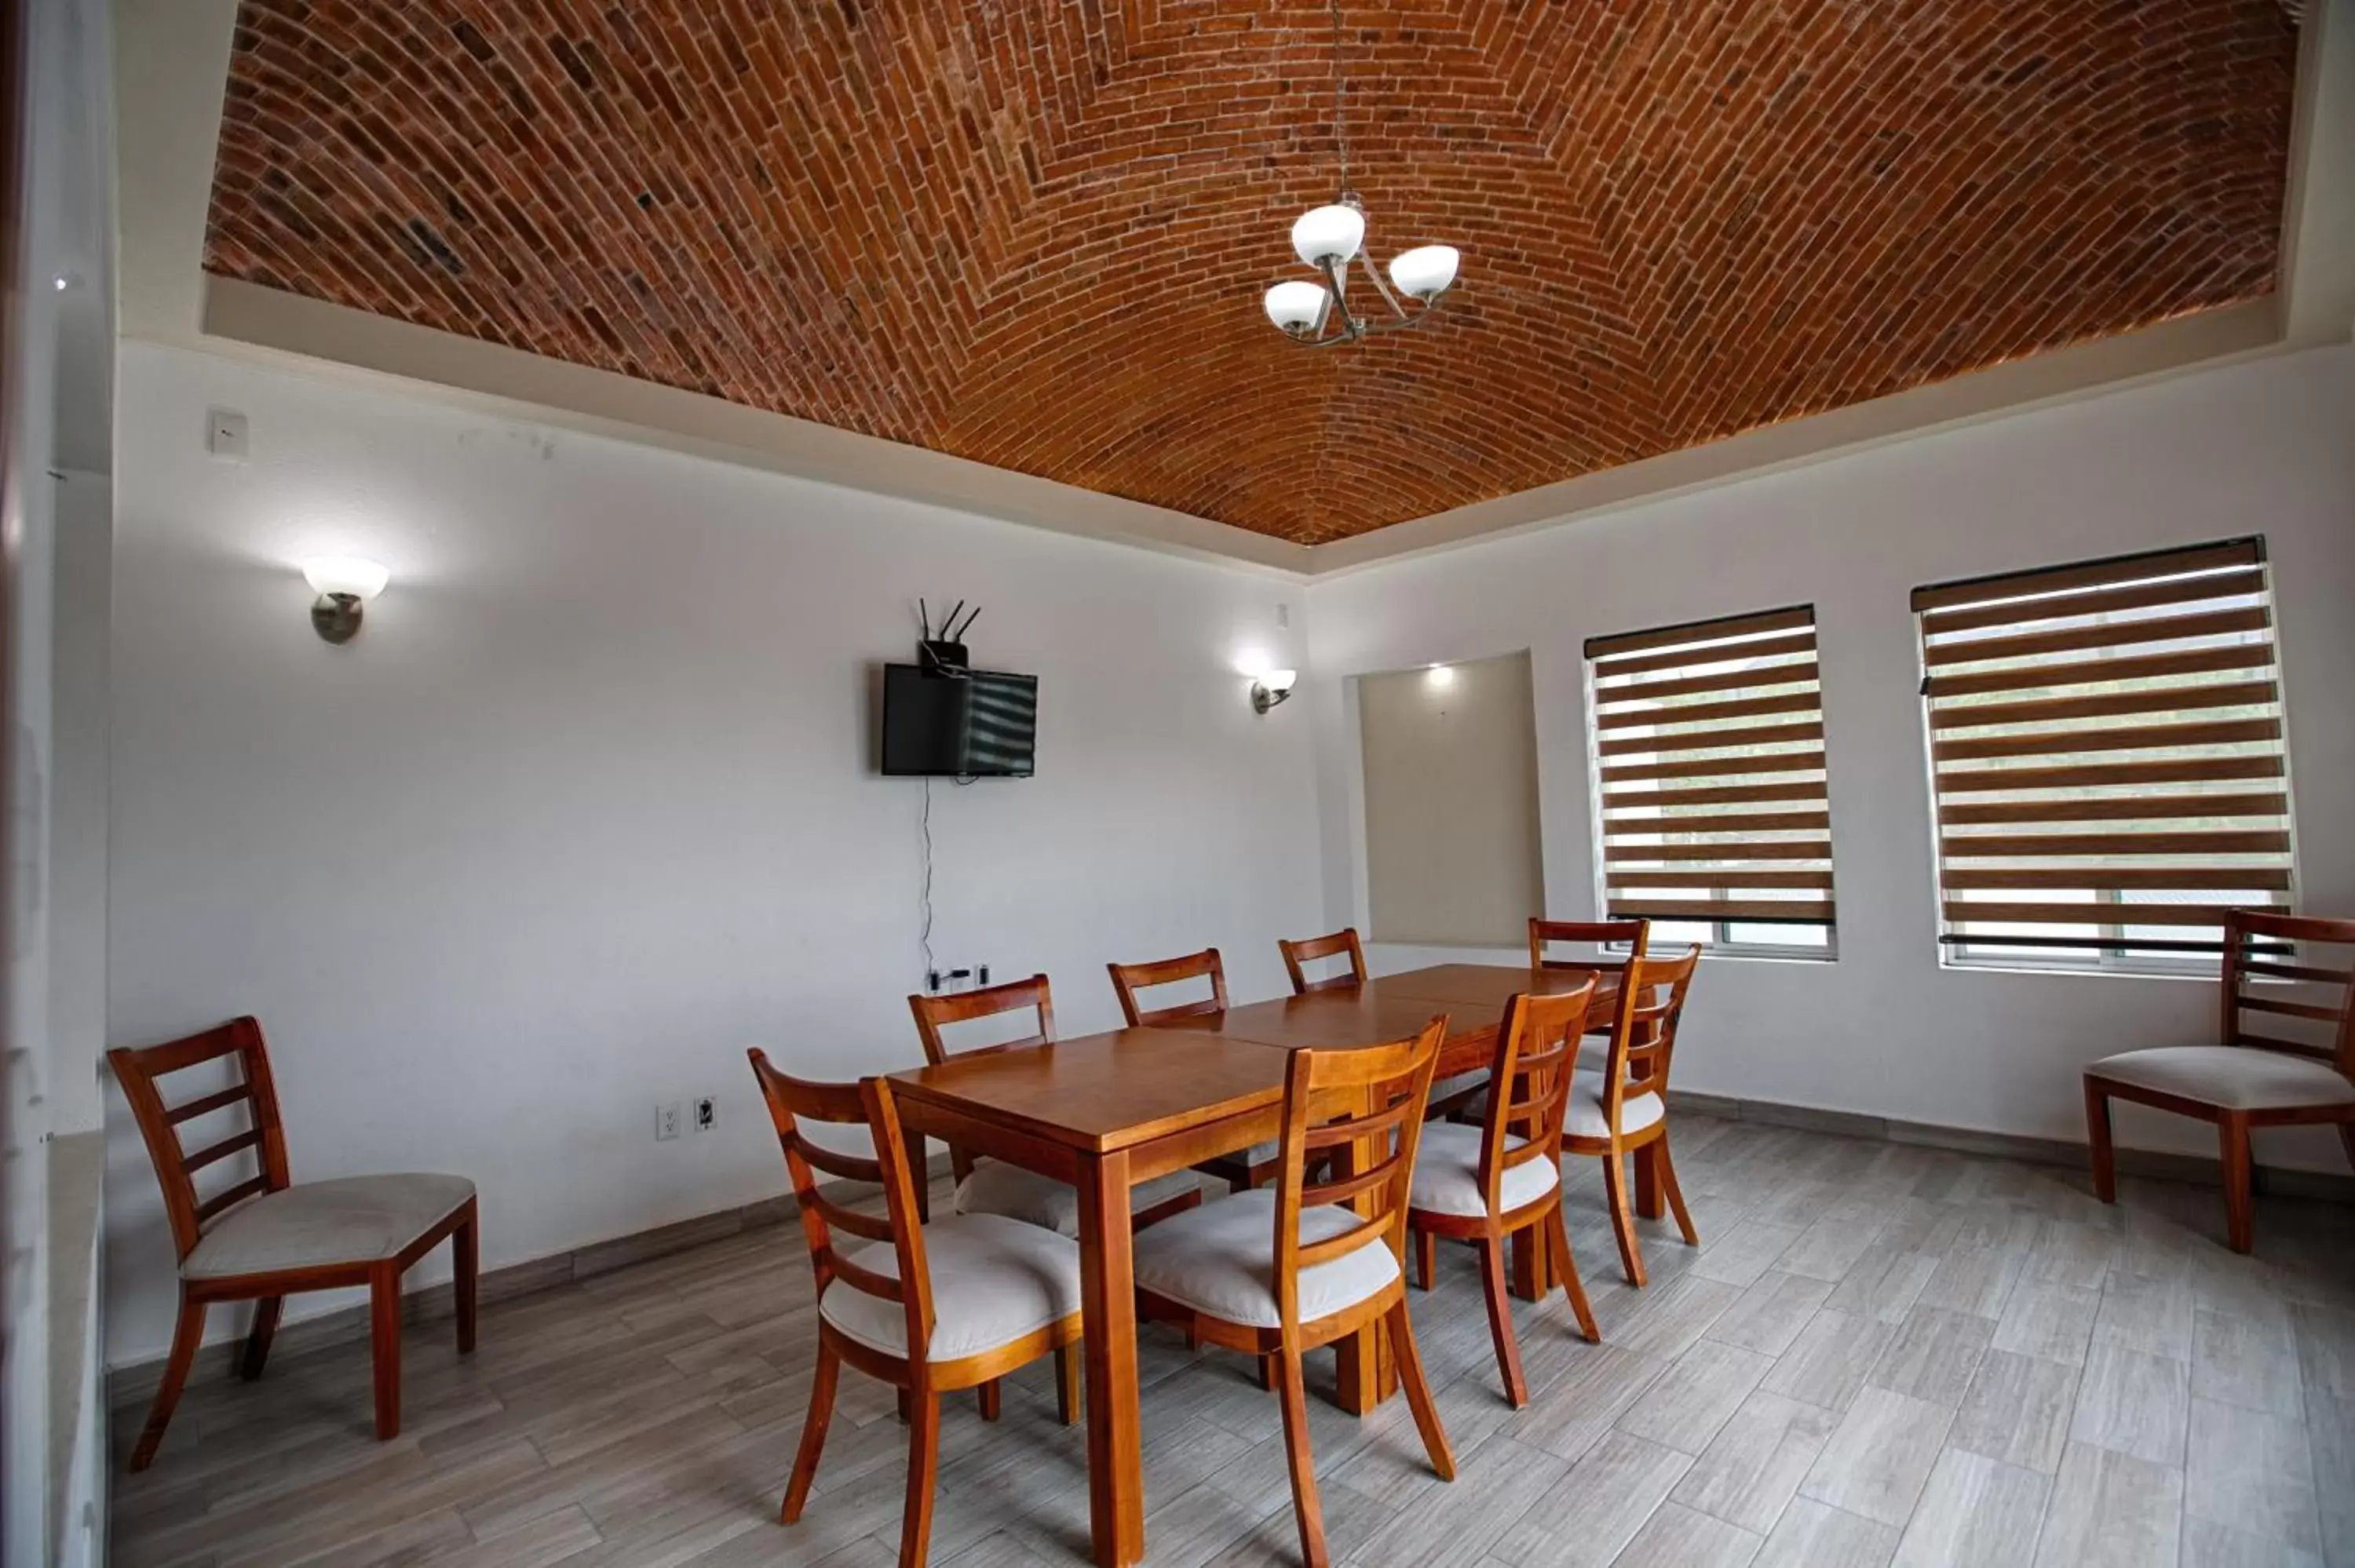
(344, 583)
(1272, 688)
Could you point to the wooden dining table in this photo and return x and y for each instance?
(1105, 1112)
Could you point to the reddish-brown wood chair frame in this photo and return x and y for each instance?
(139, 1070)
(920, 1380)
(1308, 952)
(1237, 1169)
(1643, 1037)
(935, 1013)
(1537, 1053)
(1602, 935)
(2233, 1126)
(1375, 1146)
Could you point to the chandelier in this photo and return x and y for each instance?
(1327, 239)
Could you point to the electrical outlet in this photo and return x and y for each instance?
(707, 1114)
(666, 1121)
(982, 974)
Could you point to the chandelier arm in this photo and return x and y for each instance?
(1383, 288)
(1351, 327)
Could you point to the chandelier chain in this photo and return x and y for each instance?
(1340, 128)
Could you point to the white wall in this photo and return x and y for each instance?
(589, 805)
(2263, 448)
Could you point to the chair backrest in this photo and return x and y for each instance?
(1127, 979)
(1529, 1085)
(1342, 941)
(1392, 1084)
(868, 1104)
(2270, 969)
(1631, 934)
(934, 1013)
(1644, 1030)
(139, 1069)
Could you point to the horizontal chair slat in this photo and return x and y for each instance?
(2296, 973)
(251, 1187)
(2290, 1008)
(207, 1104)
(250, 1139)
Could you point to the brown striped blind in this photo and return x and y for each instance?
(1708, 742)
(2105, 744)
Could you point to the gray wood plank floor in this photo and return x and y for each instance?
(1880, 1354)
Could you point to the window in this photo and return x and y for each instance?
(1709, 749)
(2106, 747)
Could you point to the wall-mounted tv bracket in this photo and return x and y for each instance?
(944, 656)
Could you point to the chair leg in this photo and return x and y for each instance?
(1501, 1321)
(384, 1349)
(257, 1336)
(1623, 1223)
(187, 1335)
(465, 1277)
(2347, 1136)
(1418, 1391)
(907, 1405)
(2233, 1135)
(989, 1396)
(821, 1412)
(1565, 1268)
(1426, 1259)
(923, 1468)
(1068, 1402)
(1668, 1171)
(1267, 1378)
(2097, 1134)
(1306, 1511)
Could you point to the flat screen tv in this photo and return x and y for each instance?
(981, 724)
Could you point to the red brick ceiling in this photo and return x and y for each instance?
(1035, 234)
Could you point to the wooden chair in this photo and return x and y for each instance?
(265, 1238)
(1602, 935)
(1482, 1184)
(1623, 1108)
(1248, 1168)
(1283, 1270)
(986, 1186)
(928, 1308)
(1344, 941)
(2254, 1079)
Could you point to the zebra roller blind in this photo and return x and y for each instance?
(1710, 751)
(2105, 744)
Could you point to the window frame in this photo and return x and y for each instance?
(2112, 951)
(1721, 941)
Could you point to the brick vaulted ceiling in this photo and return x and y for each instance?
(1035, 233)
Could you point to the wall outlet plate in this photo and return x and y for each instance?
(666, 1120)
(225, 434)
(707, 1114)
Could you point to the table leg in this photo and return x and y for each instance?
(920, 1164)
(1647, 1180)
(1532, 1268)
(1108, 1316)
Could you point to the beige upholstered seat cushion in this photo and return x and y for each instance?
(1585, 1118)
(993, 1280)
(352, 1219)
(1220, 1259)
(994, 1187)
(1447, 1173)
(2237, 1077)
